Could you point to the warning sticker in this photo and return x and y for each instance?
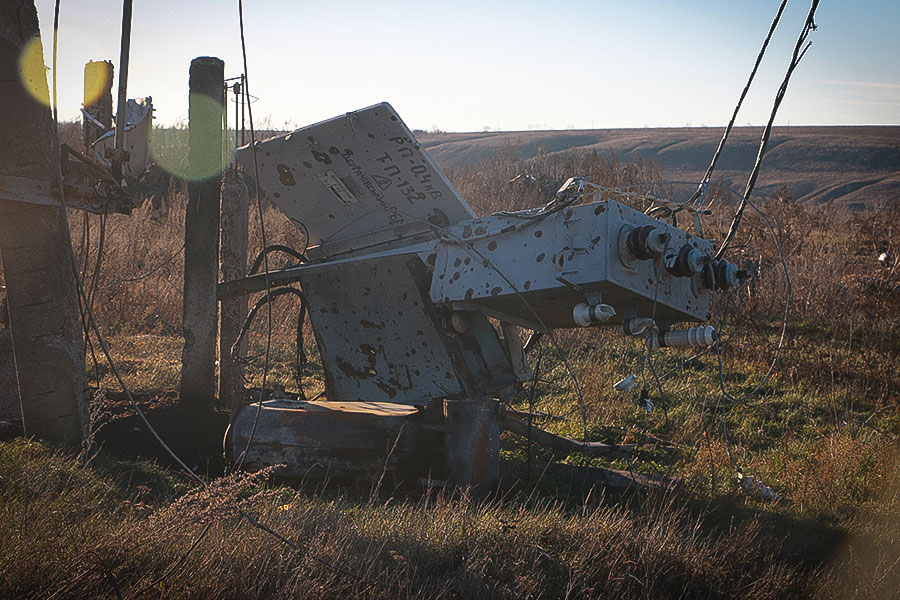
(337, 187)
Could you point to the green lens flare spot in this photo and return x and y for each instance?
(171, 148)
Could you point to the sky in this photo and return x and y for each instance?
(499, 64)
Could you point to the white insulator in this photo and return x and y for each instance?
(587, 315)
(701, 336)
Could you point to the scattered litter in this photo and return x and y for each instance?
(757, 489)
(627, 384)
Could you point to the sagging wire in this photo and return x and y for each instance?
(531, 394)
(262, 227)
(701, 188)
(784, 324)
(85, 331)
(648, 343)
(799, 52)
(300, 359)
(95, 277)
(720, 418)
(151, 271)
(240, 462)
(300, 256)
(456, 240)
(80, 288)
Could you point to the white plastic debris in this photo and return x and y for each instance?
(757, 489)
(627, 384)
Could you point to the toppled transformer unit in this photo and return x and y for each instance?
(402, 282)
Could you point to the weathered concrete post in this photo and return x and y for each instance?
(235, 224)
(34, 244)
(98, 76)
(201, 234)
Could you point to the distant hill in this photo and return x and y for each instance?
(853, 167)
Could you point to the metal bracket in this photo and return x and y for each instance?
(36, 191)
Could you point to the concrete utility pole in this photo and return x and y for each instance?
(201, 235)
(34, 244)
(235, 207)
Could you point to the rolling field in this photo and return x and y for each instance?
(853, 167)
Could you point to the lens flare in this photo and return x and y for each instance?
(170, 146)
(33, 72)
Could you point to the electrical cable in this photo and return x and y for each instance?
(799, 52)
(93, 324)
(784, 325)
(151, 271)
(531, 394)
(300, 256)
(79, 285)
(701, 188)
(647, 342)
(301, 360)
(262, 228)
(95, 277)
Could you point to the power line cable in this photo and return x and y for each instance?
(262, 228)
(799, 52)
(151, 271)
(712, 165)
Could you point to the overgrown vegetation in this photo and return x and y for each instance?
(822, 432)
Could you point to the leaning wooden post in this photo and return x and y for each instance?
(235, 225)
(201, 235)
(34, 242)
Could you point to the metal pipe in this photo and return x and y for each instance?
(123, 89)
(243, 111)
(236, 88)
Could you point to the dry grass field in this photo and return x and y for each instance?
(846, 167)
(118, 520)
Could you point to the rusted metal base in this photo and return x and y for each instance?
(473, 444)
(452, 444)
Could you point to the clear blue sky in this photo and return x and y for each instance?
(465, 65)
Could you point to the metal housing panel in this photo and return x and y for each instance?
(513, 268)
(356, 175)
(381, 339)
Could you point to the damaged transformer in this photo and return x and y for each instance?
(403, 282)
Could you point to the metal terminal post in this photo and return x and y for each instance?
(702, 336)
